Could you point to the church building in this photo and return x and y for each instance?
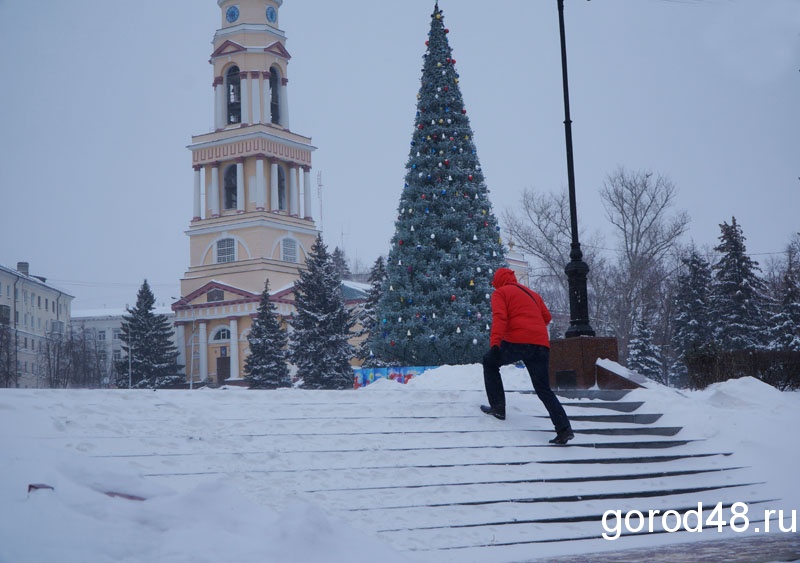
(252, 206)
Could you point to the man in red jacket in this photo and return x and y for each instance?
(519, 333)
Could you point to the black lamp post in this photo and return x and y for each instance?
(577, 269)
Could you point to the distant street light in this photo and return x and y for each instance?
(577, 269)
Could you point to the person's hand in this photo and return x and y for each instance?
(495, 352)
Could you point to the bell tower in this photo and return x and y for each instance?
(252, 205)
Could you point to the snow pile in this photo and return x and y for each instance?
(101, 450)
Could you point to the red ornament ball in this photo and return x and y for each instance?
(469, 177)
(452, 298)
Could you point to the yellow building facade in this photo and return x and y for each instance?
(252, 201)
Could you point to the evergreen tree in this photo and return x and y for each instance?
(785, 324)
(643, 355)
(435, 308)
(340, 261)
(692, 325)
(266, 367)
(150, 354)
(738, 299)
(367, 317)
(319, 343)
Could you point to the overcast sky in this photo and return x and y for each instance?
(100, 100)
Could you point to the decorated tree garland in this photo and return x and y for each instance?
(435, 306)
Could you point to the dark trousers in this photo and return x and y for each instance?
(537, 362)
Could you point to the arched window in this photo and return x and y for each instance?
(222, 334)
(275, 96)
(281, 188)
(234, 91)
(226, 250)
(229, 199)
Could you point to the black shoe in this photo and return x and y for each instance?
(563, 437)
(494, 413)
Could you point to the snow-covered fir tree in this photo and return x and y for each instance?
(738, 299)
(785, 324)
(644, 357)
(150, 355)
(340, 261)
(435, 308)
(266, 366)
(370, 329)
(692, 327)
(319, 344)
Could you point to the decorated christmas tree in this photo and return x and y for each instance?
(435, 308)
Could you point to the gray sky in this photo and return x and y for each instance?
(100, 100)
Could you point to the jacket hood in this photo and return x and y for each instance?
(503, 276)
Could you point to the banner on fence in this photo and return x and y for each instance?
(365, 376)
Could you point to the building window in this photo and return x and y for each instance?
(289, 250)
(275, 100)
(115, 333)
(101, 335)
(226, 250)
(116, 355)
(229, 194)
(222, 334)
(233, 89)
(215, 294)
(281, 188)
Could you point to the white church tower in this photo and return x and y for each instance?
(252, 211)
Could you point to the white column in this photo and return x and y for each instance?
(284, 101)
(255, 78)
(240, 203)
(273, 185)
(234, 327)
(180, 344)
(293, 199)
(261, 184)
(197, 177)
(203, 350)
(214, 190)
(244, 90)
(220, 117)
(306, 192)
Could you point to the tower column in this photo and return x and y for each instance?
(203, 345)
(306, 192)
(293, 199)
(214, 190)
(261, 184)
(219, 103)
(197, 178)
(240, 203)
(234, 328)
(244, 90)
(284, 103)
(273, 176)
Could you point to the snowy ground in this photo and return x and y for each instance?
(389, 473)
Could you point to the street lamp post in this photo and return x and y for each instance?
(577, 269)
(130, 361)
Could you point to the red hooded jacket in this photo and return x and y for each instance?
(519, 314)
